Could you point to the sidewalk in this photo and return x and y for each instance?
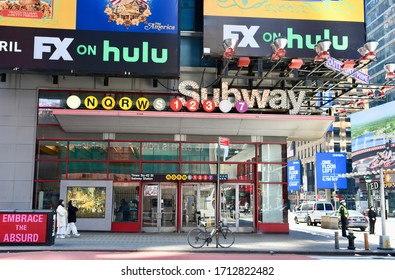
(296, 242)
(302, 239)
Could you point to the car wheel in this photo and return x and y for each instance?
(315, 224)
(363, 228)
(296, 220)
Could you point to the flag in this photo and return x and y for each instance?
(115, 2)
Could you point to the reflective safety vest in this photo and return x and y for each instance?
(345, 211)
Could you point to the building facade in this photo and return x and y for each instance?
(68, 131)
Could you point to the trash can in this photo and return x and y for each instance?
(27, 227)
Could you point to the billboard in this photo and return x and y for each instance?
(294, 175)
(328, 168)
(373, 137)
(111, 37)
(255, 24)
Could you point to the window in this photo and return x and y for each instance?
(319, 206)
(270, 153)
(160, 151)
(270, 203)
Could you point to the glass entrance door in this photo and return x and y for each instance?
(198, 200)
(159, 207)
(237, 202)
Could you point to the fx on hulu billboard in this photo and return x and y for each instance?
(329, 166)
(256, 23)
(111, 37)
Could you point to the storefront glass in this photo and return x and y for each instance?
(160, 151)
(120, 171)
(87, 170)
(51, 170)
(46, 195)
(270, 188)
(270, 153)
(199, 168)
(237, 207)
(117, 160)
(240, 153)
(88, 150)
(126, 202)
(198, 152)
(160, 168)
(238, 171)
(270, 203)
(198, 200)
(159, 207)
(52, 150)
(124, 151)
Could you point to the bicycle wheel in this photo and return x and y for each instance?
(197, 238)
(226, 238)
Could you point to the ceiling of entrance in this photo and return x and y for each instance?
(294, 127)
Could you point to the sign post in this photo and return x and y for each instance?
(384, 242)
(222, 142)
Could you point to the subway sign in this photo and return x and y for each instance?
(176, 177)
(286, 101)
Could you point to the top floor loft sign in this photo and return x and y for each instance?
(224, 98)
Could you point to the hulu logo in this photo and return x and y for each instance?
(310, 42)
(144, 53)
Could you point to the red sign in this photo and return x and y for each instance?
(224, 141)
(23, 227)
(193, 105)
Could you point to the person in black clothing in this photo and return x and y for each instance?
(372, 219)
(125, 209)
(72, 219)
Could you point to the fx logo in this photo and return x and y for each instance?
(232, 32)
(46, 45)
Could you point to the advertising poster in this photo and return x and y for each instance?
(328, 168)
(137, 38)
(90, 201)
(57, 14)
(294, 175)
(151, 190)
(373, 136)
(255, 24)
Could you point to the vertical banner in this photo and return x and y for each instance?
(328, 168)
(294, 175)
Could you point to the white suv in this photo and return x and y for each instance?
(311, 212)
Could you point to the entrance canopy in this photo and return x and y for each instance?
(294, 127)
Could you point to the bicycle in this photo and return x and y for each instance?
(224, 237)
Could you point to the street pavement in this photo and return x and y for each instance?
(301, 240)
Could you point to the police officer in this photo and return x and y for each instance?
(343, 214)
